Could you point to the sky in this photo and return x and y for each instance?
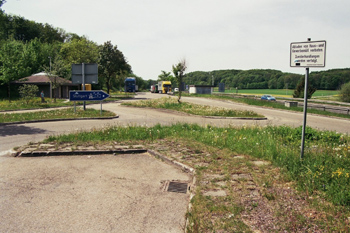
(209, 34)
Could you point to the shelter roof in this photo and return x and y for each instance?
(42, 78)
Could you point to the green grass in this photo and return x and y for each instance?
(195, 109)
(54, 114)
(281, 92)
(269, 104)
(20, 104)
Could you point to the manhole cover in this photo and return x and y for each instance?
(177, 187)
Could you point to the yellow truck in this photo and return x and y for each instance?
(164, 87)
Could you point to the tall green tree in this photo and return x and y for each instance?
(179, 72)
(12, 57)
(112, 64)
(77, 51)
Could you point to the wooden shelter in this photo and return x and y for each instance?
(45, 83)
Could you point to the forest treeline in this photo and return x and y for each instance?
(268, 79)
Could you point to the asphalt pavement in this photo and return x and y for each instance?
(91, 193)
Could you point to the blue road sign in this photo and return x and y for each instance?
(87, 95)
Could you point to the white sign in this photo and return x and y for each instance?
(308, 54)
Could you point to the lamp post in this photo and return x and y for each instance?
(50, 64)
(50, 80)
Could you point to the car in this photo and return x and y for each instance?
(268, 97)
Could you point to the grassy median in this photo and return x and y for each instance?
(195, 109)
(67, 113)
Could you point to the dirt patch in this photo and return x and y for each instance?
(236, 193)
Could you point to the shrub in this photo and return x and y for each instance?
(299, 91)
(345, 92)
(28, 92)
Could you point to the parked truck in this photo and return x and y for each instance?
(130, 85)
(154, 88)
(164, 87)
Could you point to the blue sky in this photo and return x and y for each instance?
(209, 34)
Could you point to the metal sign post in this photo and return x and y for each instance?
(305, 113)
(84, 73)
(307, 54)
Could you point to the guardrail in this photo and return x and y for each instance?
(336, 109)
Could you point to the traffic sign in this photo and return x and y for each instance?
(85, 73)
(87, 95)
(308, 54)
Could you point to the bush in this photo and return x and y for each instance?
(345, 92)
(28, 92)
(299, 91)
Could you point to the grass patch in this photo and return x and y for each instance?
(195, 109)
(323, 177)
(270, 104)
(20, 104)
(54, 114)
(281, 92)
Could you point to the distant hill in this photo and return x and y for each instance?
(268, 79)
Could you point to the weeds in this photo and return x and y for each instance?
(195, 109)
(53, 114)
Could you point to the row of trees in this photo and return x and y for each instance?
(27, 47)
(268, 79)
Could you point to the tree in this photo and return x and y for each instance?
(12, 57)
(345, 92)
(299, 91)
(166, 76)
(28, 92)
(179, 71)
(112, 64)
(2, 2)
(77, 51)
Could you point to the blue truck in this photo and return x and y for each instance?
(130, 85)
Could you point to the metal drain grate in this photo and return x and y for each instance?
(177, 187)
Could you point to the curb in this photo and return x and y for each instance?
(63, 119)
(237, 118)
(67, 153)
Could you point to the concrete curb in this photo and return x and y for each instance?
(237, 118)
(65, 119)
(183, 167)
(80, 152)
